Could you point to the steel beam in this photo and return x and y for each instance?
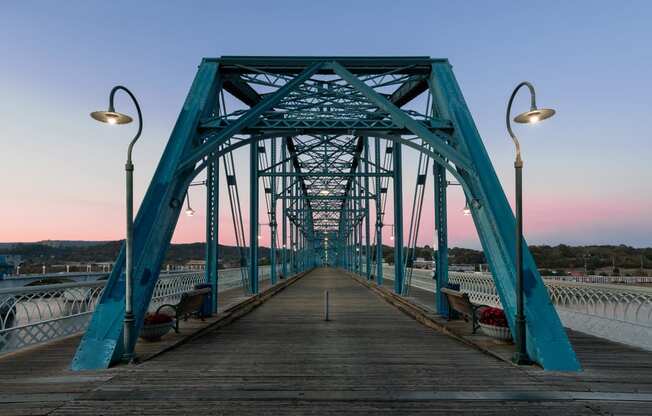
(398, 219)
(366, 210)
(272, 217)
(212, 229)
(253, 217)
(441, 226)
(153, 227)
(284, 209)
(494, 220)
(379, 218)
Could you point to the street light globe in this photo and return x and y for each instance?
(535, 115)
(111, 117)
(190, 212)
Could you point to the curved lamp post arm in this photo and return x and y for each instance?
(533, 106)
(140, 116)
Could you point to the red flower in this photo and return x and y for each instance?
(493, 316)
(157, 318)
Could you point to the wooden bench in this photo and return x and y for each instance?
(461, 303)
(189, 304)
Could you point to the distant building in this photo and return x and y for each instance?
(421, 263)
(105, 266)
(461, 267)
(196, 264)
(8, 263)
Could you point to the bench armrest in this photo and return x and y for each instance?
(169, 306)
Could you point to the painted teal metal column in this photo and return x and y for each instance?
(441, 225)
(284, 211)
(212, 227)
(547, 341)
(356, 234)
(253, 216)
(153, 228)
(367, 220)
(272, 216)
(379, 216)
(398, 218)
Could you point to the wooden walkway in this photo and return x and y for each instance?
(370, 358)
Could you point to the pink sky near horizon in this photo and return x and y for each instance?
(587, 177)
(546, 221)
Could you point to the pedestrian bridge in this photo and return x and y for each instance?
(273, 353)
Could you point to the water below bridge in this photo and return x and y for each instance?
(283, 358)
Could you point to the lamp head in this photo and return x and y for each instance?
(466, 211)
(534, 115)
(190, 212)
(111, 117)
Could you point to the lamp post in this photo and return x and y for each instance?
(112, 117)
(533, 116)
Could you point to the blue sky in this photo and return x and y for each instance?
(587, 172)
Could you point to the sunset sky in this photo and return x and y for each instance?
(588, 171)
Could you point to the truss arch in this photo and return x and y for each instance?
(330, 114)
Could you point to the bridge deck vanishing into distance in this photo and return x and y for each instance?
(283, 358)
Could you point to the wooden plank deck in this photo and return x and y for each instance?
(283, 358)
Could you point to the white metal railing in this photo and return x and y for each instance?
(621, 313)
(619, 280)
(36, 314)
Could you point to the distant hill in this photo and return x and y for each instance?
(55, 243)
(547, 257)
(60, 252)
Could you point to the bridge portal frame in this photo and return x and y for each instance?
(325, 98)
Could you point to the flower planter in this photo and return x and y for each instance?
(154, 332)
(498, 332)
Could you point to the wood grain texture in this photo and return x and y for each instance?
(284, 359)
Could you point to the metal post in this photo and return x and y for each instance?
(326, 306)
(284, 211)
(398, 218)
(379, 217)
(129, 336)
(253, 216)
(521, 356)
(129, 320)
(441, 225)
(367, 220)
(212, 227)
(355, 248)
(272, 222)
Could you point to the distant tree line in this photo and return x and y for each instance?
(547, 257)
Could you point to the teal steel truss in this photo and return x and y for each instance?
(327, 136)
